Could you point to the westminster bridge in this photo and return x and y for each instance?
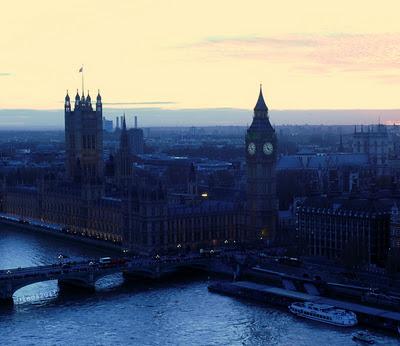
(84, 274)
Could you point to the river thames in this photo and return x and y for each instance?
(178, 312)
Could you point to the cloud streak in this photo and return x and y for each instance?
(140, 103)
(5, 74)
(312, 52)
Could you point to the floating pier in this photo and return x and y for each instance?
(371, 316)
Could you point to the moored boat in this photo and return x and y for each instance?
(324, 313)
(363, 337)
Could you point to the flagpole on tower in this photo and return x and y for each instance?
(83, 86)
(83, 82)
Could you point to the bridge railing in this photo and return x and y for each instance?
(92, 265)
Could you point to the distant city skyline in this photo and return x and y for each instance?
(180, 55)
(27, 119)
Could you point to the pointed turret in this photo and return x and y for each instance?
(341, 147)
(124, 141)
(77, 99)
(124, 167)
(98, 102)
(67, 104)
(123, 123)
(88, 98)
(261, 108)
(89, 101)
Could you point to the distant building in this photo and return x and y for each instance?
(314, 174)
(395, 228)
(107, 125)
(335, 227)
(374, 142)
(136, 139)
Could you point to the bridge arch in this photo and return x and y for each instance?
(33, 288)
(108, 280)
(9, 289)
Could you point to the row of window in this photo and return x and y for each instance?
(314, 314)
(89, 141)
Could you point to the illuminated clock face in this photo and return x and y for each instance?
(251, 148)
(268, 148)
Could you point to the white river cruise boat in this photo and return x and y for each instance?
(324, 313)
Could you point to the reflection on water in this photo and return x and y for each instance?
(181, 312)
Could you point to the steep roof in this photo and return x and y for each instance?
(322, 161)
(261, 105)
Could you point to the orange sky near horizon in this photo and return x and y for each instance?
(209, 54)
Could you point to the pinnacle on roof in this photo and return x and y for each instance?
(261, 105)
(98, 95)
(67, 97)
(124, 123)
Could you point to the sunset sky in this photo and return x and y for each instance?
(202, 54)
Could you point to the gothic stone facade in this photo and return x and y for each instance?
(142, 222)
(140, 216)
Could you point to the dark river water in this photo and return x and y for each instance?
(180, 312)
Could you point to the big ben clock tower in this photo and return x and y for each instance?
(261, 156)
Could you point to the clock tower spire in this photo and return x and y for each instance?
(261, 109)
(262, 202)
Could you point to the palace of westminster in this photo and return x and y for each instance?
(139, 213)
(324, 203)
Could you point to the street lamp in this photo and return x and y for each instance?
(60, 258)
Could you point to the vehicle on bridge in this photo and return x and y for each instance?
(105, 260)
(290, 261)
